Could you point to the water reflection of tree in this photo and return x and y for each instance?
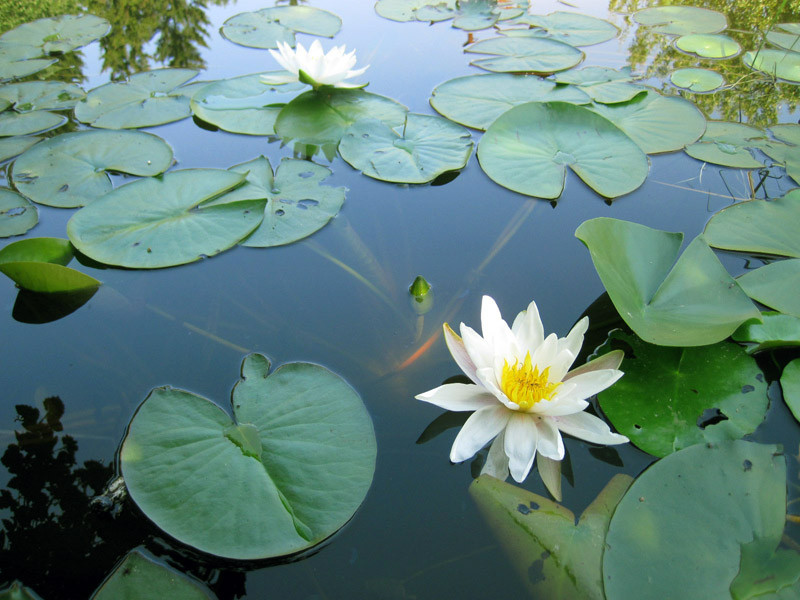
(754, 98)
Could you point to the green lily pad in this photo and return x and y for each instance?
(474, 15)
(708, 45)
(138, 577)
(543, 537)
(787, 132)
(603, 84)
(775, 330)
(528, 149)
(322, 117)
(691, 302)
(17, 62)
(57, 34)
(656, 123)
(697, 80)
(416, 10)
(477, 100)
(681, 20)
(525, 55)
(70, 169)
(571, 28)
(13, 123)
(728, 144)
(672, 398)
(790, 384)
(41, 95)
(14, 146)
(781, 64)
(146, 99)
(688, 522)
(786, 155)
(17, 214)
(758, 226)
(423, 149)
(161, 222)
(244, 104)
(776, 285)
(297, 204)
(266, 27)
(786, 36)
(39, 265)
(287, 472)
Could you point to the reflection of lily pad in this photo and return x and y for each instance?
(697, 80)
(728, 144)
(70, 169)
(671, 398)
(285, 473)
(41, 95)
(777, 63)
(264, 28)
(681, 20)
(775, 330)
(525, 55)
(13, 123)
(528, 150)
(12, 146)
(571, 28)
(152, 223)
(17, 214)
(776, 285)
(57, 34)
(708, 45)
(423, 149)
(39, 265)
(416, 10)
(146, 99)
(690, 302)
(790, 384)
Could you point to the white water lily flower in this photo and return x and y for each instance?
(523, 394)
(315, 67)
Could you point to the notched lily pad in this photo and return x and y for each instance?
(775, 285)
(708, 45)
(697, 80)
(41, 95)
(571, 28)
(681, 20)
(39, 265)
(603, 84)
(728, 144)
(525, 55)
(57, 34)
(264, 28)
(17, 214)
(13, 123)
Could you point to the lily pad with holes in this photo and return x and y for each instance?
(672, 398)
(681, 20)
(708, 45)
(418, 152)
(266, 27)
(57, 34)
(786, 36)
(728, 144)
(17, 214)
(477, 100)
(297, 204)
(781, 64)
(162, 222)
(571, 28)
(528, 149)
(667, 300)
(775, 285)
(697, 80)
(416, 10)
(41, 95)
(656, 123)
(146, 99)
(244, 104)
(602, 84)
(70, 169)
(322, 117)
(17, 62)
(13, 123)
(39, 265)
(525, 55)
(790, 384)
(286, 472)
(775, 330)
(13, 146)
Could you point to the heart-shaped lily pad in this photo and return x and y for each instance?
(162, 222)
(423, 149)
(781, 64)
(697, 80)
(69, 170)
(146, 99)
(728, 144)
(286, 472)
(39, 265)
(41, 95)
(17, 214)
(708, 45)
(691, 302)
(57, 34)
(266, 27)
(775, 285)
(681, 20)
(528, 149)
(571, 28)
(525, 55)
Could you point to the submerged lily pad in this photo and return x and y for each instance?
(781, 64)
(691, 302)
(161, 222)
(697, 80)
(708, 45)
(571, 28)
(525, 55)
(13, 123)
(423, 149)
(17, 214)
(728, 144)
(39, 265)
(70, 169)
(266, 27)
(416, 10)
(57, 34)
(528, 150)
(681, 20)
(146, 99)
(477, 100)
(786, 36)
(13, 146)
(243, 104)
(297, 204)
(286, 472)
(790, 384)
(775, 285)
(775, 330)
(672, 398)
(41, 95)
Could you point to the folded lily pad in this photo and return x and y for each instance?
(266, 27)
(528, 149)
(697, 80)
(17, 214)
(728, 144)
(57, 34)
(781, 64)
(287, 471)
(776, 285)
(13, 123)
(571, 28)
(525, 55)
(708, 45)
(41, 95)
(790, 384)
(39, 265)
(70, 169)
(416, 10)
(423, 149)
(691, 302)
(775, 330)
(681, 20)
(145, 99)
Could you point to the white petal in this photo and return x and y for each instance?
(521, 439)
(479, 429)
(574, 339)
(487, 378)
(496, 331)
(528, 329)
(550, 472)
(587, 427)
(459, 397)
(545, 354)
(497, 462)
(459, 353)
(477, 348)
(588, 384)
(561, 364)
(357, 72)
(550, 443)
(565, 406)
(612, 360)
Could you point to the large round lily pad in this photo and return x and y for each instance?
(162, 222)
(775, 285)
(525, 55)
(17, 214)
(681, 20)
(728, 144)
(420, 151)
(287, 471)
(70, 169)
(708, 45)
(571, 28)
(528, 150)
(41, 95)
(57, 34)
(697, 80)
(266, 27)
(782, 64)
(146, 99)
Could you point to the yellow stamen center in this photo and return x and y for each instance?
(524, 385)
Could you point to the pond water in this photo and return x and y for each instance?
(339, 298)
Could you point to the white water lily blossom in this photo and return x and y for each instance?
(523, 394)
(315, 67)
